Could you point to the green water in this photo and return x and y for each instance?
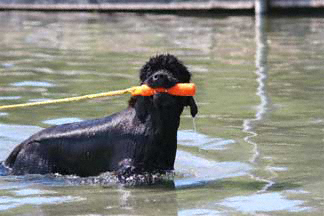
(258, 148)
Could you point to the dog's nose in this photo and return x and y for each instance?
(158, 76)
(161, 79)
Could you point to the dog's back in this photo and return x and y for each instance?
(84, 148)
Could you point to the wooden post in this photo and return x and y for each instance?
(261, 6)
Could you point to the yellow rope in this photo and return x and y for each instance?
(64, 100)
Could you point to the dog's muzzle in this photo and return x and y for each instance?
(161, 79)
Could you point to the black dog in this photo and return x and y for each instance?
(142, 138)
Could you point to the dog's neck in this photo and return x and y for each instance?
(160, 116)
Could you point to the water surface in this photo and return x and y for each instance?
(258, 147)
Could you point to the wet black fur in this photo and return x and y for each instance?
(141, 138)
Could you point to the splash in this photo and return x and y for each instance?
(110, 179)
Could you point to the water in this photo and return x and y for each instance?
(257, 147)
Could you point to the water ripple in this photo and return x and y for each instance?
(266, 202)
(7, 202)
(61, 121)
(192, 138)
(33, 84)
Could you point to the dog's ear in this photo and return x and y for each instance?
(193, 106)
(132, 101)
(137, 102)
(142, 105)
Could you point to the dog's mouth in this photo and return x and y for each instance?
(161, 79)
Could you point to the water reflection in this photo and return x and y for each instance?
(7, 203)
(263, 109)
(265, 202)
(33, 84)
(59, 121)
(202, 141)
(131, 202)
(262, 201)
(10, 97)
(198, 171)
(199, 211)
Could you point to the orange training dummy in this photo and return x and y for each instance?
(180, 89)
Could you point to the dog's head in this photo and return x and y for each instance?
(165, 71)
